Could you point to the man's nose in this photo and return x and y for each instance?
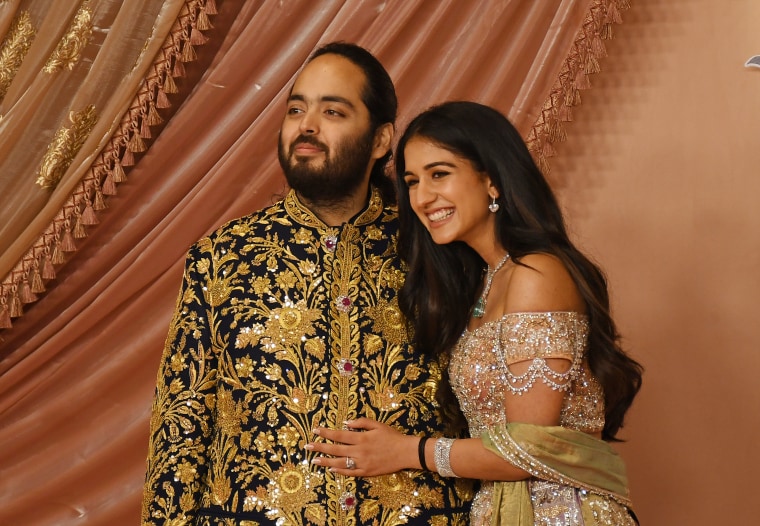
(309, 124)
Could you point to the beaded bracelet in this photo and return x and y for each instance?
(442, 454)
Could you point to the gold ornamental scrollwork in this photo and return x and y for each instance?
(14, 48)
(69, 49)
(65, 145)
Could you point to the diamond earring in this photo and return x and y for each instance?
(494, 206)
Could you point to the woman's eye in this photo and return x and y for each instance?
(410, 182)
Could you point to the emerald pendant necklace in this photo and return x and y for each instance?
(480, 306)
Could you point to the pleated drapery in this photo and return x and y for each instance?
(162, 125)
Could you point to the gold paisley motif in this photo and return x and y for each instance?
(14, 48)
(65, 145)
(69, 49)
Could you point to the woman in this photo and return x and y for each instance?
(528, 345)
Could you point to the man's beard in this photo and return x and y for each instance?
(338, 177)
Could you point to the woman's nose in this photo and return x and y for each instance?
(424, 193)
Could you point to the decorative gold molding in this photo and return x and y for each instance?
(65, 145)
(69, 49)
(14, 48)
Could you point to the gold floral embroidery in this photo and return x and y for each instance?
(14, 48)
(388, 320)
(65, 145)
(279, 344)
(69, 49)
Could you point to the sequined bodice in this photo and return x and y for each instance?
(481, 379)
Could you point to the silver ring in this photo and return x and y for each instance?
(350, 463)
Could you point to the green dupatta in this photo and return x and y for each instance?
(557, 454)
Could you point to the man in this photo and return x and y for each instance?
(287, 320)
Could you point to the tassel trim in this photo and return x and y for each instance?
(581, 62)
(27, 280)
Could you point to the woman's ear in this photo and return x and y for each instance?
(493, 192)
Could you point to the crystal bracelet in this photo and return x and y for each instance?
(442, 454)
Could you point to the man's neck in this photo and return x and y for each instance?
(337, 212)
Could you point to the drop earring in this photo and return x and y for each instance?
(494, 206)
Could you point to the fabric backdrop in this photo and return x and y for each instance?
(129, 129)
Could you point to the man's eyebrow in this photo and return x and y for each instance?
(326, 98)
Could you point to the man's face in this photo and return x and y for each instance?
(326, 142)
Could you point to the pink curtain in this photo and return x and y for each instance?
(78, 361)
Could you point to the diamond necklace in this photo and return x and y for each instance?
(480, 306)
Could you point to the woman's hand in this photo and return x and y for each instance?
(365, 449)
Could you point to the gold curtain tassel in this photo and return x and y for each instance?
(153, 118)
(16, 310)
(109, 187)
(67, 243)
(79, 231)
(197, 38)
(592, 64)
(58, 257)
(169, 85)
(179, 68)
(27, 296)
(136, 144)
(565, 113)
(188, 52)
(203, 23)
(144, 128)
(99, 203)
(118, 173)
(162, 101)
(606, 32)
(128, 159)
(38, 287)
(613, 14)
(89, 217)
(48, 270)
(210, 7)
(581, 80)
(5, 318)
(598, 47)
(548, 150)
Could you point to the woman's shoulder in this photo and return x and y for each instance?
(541, 282)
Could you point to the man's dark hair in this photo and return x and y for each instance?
(378, 95)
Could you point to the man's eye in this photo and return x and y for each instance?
(334, 113)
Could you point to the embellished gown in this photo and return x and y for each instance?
(482, 381)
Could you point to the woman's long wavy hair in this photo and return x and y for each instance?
(443, 281)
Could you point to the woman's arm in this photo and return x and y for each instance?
(378, 449)
(543, 285)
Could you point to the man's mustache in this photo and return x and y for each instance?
(305, 139)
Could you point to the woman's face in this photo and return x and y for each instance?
(449, 196)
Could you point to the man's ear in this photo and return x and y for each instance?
(383, 138)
